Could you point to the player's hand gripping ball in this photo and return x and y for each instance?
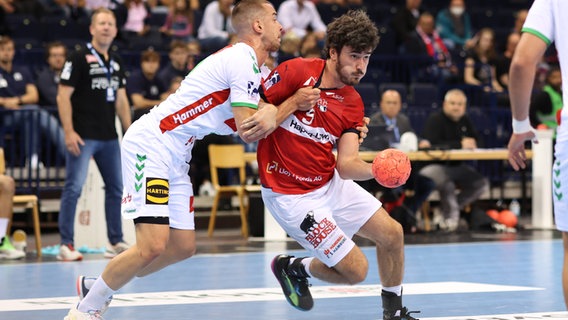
(391, 168)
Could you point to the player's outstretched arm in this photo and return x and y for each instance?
(349, 164)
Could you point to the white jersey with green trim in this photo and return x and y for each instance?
(548, 20)
(202, 104)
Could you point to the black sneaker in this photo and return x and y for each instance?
(296, 289)
(402, 314)
(393, 309)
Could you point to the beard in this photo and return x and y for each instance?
(348, 78)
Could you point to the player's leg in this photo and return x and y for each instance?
(560, 168)
(565, 267)
(181, 243)
(389, 239)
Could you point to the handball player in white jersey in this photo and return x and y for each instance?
(547, 22)
(216, 97)
(310, 193)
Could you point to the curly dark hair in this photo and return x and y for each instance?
(354, 29)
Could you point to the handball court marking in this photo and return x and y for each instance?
(259, 294)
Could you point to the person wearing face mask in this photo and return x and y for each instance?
(454, 26)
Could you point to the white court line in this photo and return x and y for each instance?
(255, 294)
(522, 316)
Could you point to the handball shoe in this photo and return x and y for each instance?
(75, 314)
(296, 289)
(84, 284)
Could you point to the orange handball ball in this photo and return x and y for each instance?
(508, 218)
(494, 214)
(391, 168)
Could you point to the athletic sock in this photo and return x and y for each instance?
(396, 290)
(298, 268)
(3, 227)
(97, 296)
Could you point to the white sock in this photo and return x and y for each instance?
(396, 290)
(306, 262)
(3, 227)
(97, 296)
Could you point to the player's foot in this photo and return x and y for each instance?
(296, 288)
(393, 309)
(8, 251)
(75, 314)
(68, 253)
(402, 314)
(84, 284)
(115, 249)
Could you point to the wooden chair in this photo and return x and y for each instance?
(230, 156)
(25, 201)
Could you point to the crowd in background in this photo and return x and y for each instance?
(161, 41)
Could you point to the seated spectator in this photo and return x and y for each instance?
(458, 183)
(179, 24)
(19, 94)
(67, 9)
(193, 54)
(504, 61)
(480, 62)
(174, 85)
(216, 30)
(426, 41)
(31, 7)
(300, 16)
(92, 5)
(143, 87)
(47, 78)
(132, 18)
(177, 66)
(47, 81)
(7, 191)
(397, 123)
(454, 26)
(547, 104)
(310, 45)
(405, 20)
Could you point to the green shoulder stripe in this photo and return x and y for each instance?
(244, 104)
(538, 34)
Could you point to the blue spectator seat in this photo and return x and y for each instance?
(329, 11)
(376, 76)
(61, 28)
(423, 94)
(417, 117)
(387, 42)
(370, 96)
(157, 18)
(25, 27)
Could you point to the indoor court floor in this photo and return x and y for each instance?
(469, 276)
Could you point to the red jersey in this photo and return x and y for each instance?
(298, 156)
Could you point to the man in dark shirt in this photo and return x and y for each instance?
(90, 95)
(458, 183)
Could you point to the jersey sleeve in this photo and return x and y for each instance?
(244, 79)
(71, 72)
(540, 21)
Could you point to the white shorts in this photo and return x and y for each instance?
(323, 221)
(560, 185)
(156, 184)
